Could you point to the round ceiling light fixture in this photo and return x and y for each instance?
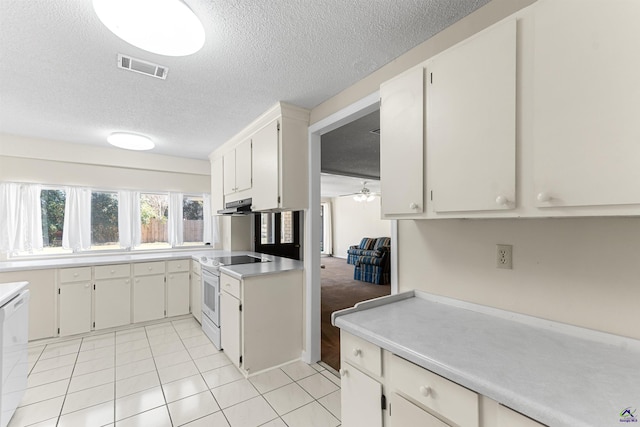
(165, 27)
(130, 141)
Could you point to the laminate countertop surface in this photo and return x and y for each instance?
(554, 373)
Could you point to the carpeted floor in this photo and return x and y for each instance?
(338, 291)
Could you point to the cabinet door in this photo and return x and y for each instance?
(196, 296)
(112, 303)
(230, 327)
(243, 166)
(148, 298)
(266, 168)
(360, 398)
(229, 168)
(177, 294)
(471, 123)
(217, 185)
(74, 308)
(402, 144)
(587, 98)
(406, 414)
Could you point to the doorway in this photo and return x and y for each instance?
(314, 224)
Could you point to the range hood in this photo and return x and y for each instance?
(238, 207)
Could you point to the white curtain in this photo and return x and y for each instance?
(76, 234)
(327, 247)
(207, 228)
(129, 218)
(175, 226)
(20, 218)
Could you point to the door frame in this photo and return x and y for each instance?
(358, 109)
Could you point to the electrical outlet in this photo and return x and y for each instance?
(503, 256)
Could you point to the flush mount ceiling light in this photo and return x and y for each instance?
(165, 27)
(130, 141)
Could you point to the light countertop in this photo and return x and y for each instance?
(240, 271)
(557, 374)
(102, 259)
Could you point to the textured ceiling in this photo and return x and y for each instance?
(59, 80)
(353, 149)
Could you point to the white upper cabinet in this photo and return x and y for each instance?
(217, 184)
(471, 123)
(266, 167)
(586, 103)
(237, 168)
(402, 145)
(276, 160)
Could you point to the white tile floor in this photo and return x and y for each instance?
(167, 374)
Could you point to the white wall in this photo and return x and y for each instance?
(354, 220)
(579, 271)
(62, 163)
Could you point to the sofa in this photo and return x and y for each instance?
(367, 247)
(374, 269)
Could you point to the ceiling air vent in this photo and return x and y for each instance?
(142, 67)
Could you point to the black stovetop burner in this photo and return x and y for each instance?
(238, 259)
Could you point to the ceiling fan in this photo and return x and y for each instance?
(363, 195)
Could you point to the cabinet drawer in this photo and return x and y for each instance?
(231, 285)
(112, 271)
(361, 353)
(196, 267)
(178, 266)
(511, 418)
(79, 274)
(442, 396)
(406, 414)
(148, 268)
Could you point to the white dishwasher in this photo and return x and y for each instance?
(14, 318)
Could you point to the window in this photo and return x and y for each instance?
(52, 202)
(192, 220)
(278, 233)
(104, 220)
(154, 214)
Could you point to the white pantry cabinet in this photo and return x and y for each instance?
(237, 168)
(148, 291)
(178, 285)
(471, 123)
(112, 296)
(586, 103)
(402, 146)
(196, 290)
(74, 301)
(261, 319)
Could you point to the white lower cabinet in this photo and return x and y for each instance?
(380, 388)
(230, 321)
(261, 320)
(177, 288)
(406, 414)
(112, 296)
(148, 291)
(510, 418)
(361, 384)
(196, 290)
(74, 301)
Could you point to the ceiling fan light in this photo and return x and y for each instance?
(130, 141)
(165, 27)
(370, 198)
